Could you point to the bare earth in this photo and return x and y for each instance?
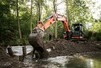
(62, 47)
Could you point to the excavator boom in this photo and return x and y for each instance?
(52, 20)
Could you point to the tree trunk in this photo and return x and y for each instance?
(31, 18)
(67, 10)
(39, 9)
(54, 5)
(55, 29)
(19, 29)
(55, 10)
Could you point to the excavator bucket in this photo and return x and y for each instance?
(36, 40)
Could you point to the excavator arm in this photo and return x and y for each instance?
(51, 20)
(65, 24)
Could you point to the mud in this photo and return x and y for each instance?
(62, 47)
(9, 62)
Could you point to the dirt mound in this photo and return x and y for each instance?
(8, 62)
(62, 47)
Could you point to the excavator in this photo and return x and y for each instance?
(36, 37)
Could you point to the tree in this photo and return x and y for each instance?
(55, 11)
(39, 4)
(19, 28)
(31, 18)
(8, 25)
(78, 12)
(67, 10)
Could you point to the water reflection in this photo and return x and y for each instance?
(84, 62)
(70, 62)
(90, 60)
(76, 63)
(90, 63)
(67, 62)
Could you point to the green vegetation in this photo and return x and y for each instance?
(29, 14)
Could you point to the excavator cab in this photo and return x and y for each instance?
(77, 32)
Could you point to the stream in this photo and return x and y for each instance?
(90, 60)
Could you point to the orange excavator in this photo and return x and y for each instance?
(36, 37)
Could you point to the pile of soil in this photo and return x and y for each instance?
(62, 47)
(8, 62)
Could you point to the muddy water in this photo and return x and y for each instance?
(88, 60)
(76, 61)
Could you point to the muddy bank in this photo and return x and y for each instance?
(9, 62)
(62, 47)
